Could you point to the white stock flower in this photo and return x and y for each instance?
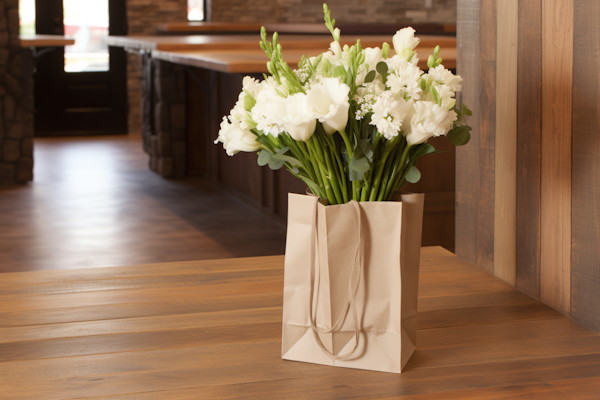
(329, 101)
(299, 120)
(250, 84)
(388, 115)
(236, 139)
(429, 120)
(442, 76)
(405, 42)
(405, 80)
(269, 110)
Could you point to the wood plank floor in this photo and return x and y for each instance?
(94, 203)
(212, 330)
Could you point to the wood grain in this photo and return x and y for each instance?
(529, 123)
(244, 42)
(585, 258)
(505, 195)
(557, 78)
(477, 338)
(255, 61)
(45, 40)
(487, 136)
(467, 157)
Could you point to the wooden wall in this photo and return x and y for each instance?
(528, 184)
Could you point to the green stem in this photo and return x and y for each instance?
(380, 167)
(355, 195)
(326, 183)
(399, 178)
(340, 166)
(387, 175)
(313, 159)
(331, 172)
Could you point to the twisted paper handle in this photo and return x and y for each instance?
(352, 290)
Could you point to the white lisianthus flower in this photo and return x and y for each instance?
(405, 80)
(329, 102)
(388, 115)
(236, 139)
(441, 76)
(429, 120)
(269, 110)
(299, 120)
(405, 42)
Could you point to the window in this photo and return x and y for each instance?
(196, 10)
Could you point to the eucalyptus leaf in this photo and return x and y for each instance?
(413, 175)
(370, 76)
(275, 164)
(291, 160)
(460, 135)
(367, 149)
(382, 68)
(264, 157)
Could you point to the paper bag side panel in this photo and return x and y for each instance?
(412, 224)
(296, 273)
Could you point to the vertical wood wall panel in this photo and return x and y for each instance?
(585, 266)
(467, 157)
(529, 122)
(557, 76)
(505, 205)
(487, 135)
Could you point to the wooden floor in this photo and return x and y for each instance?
(212, 330)
(94, 203)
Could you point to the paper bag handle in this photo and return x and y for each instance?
(352, 290)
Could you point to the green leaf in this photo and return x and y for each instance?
(460, 135)
(413, 175)
(249, 101)
(382, 68)
(370, 76)
(264, 157)
(466, 111)
(291, 160)
(365, 146)
(275, 164)
(340, 72)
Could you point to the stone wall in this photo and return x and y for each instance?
(142, 18)
(344, 11)
(163, 116)
(16, 100)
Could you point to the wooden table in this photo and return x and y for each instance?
(255, 61)
(45, 41)
(212, 329)
(310, 28)
(241, 42)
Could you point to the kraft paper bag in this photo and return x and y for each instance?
(351, 282)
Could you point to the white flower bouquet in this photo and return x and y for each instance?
(352, 122)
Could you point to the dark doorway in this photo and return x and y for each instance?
(81, 90)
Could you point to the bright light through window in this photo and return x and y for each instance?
(87, 22)
(27, 16)
(195, 10)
